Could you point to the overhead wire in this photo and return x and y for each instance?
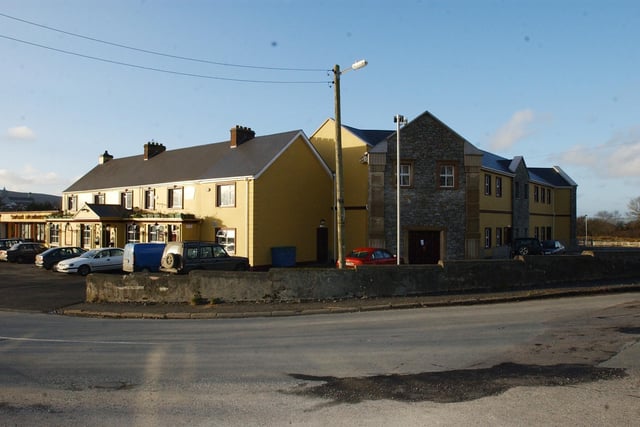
(151, 52)
(161, 70)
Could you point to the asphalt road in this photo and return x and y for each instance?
(27, 287)
(570, 361)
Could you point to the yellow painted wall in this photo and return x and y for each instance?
(355, 179)
(290, 200)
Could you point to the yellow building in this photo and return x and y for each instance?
(251, 194)
(456, 201)
(359, 190)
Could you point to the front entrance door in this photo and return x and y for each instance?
(424, 246)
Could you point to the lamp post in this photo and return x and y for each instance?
(398, 120)
(339, 177)
(586, 229)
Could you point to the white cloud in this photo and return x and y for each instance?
(516, 129)
(32, 180)
(21, 133)
(619, 157)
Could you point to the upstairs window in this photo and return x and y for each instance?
(406, 175)
(126, 199)
(150, 199)
(498, 186)
(175, 198)
(72, 203)
(98, 199)
(548, 196)
(226, 195)
(487, 185)
(447, 176)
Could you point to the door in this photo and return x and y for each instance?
(424, 246)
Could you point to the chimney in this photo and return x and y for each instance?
(152, 148)
(241, 134)
(104, 158)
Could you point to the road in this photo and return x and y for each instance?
(572, 361)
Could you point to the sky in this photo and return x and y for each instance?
(554, 81)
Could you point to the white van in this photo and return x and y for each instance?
(142, 257)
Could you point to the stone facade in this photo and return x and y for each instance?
(427, 145)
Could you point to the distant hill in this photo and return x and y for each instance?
(17, 201)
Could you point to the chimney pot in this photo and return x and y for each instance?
(240, 135)
(152, 149)
(104, 158)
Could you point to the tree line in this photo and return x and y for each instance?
(612, 224)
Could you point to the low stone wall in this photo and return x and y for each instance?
(306, 284)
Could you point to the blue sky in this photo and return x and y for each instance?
(557, 82)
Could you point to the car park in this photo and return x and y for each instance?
(52, 256)
(142, 257)
(369, 256)
(22, 252)
(182, 257)
(553, 247)
(101, 259)
(526, 246)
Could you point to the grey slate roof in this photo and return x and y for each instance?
(554, 177)
(203, 162)
(371, 136)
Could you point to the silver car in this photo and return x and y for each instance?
(101, 259)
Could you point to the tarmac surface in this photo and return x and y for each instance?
(272, 309)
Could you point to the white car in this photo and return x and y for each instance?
(101, 259)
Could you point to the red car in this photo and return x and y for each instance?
(369, 256)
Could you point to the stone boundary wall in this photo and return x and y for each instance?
(308, 284)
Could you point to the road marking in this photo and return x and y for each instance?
(74, 341)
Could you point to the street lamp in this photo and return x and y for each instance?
(586, 229)
(398, 120)
(339, 184)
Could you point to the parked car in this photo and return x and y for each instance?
(49, 258)
(182, 257)
(526, 246)
(22, 252)
(369, 256)
(7, 243)
(553, 247)
(101, 259)
(142, 257)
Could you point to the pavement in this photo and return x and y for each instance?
(352, 305)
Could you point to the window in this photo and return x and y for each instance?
(447, 176)
(543, 195)
(98, 199)
(406, 178)
(498, 236)
(536, 193)
(150, 199)
(72, 203)
(133, 233)
(156, 233)
(86, 235)
(54, 233)
(549, 235)
(498, 186)
(548, 196)
(226, 195)
(487, 238)
(526, 191)
(227, 239)
(536, 233)
(175, 198)
(487, 185)
(126, 199)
